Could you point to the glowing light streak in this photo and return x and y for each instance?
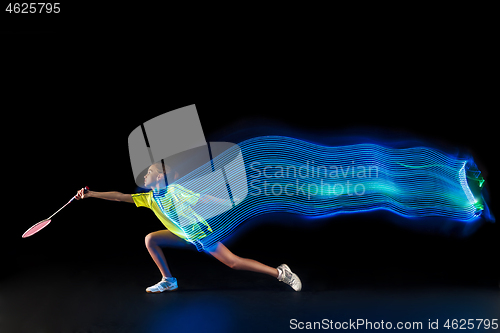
(284, 174)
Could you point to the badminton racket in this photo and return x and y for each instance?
(42, 224)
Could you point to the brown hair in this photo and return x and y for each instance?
(165, 169)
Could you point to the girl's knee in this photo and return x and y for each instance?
(222, 253)
(149, 240)
(234, 262)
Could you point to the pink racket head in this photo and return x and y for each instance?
(36, 228)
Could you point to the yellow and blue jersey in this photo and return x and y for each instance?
(173, 206)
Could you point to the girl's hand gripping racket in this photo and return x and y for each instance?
(42, 224)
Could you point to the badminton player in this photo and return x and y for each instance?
(159, 199)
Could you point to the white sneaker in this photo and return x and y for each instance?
(286, 275)
(166, 284)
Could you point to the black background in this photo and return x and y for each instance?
(74, 90)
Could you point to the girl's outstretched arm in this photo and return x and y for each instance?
(113, 196)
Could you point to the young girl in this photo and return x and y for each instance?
(157, 199)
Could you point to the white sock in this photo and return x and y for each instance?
(280, 273)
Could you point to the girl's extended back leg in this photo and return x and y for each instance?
(222, 253)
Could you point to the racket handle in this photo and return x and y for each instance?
(86, 190)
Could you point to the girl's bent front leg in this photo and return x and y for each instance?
(158, 239)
